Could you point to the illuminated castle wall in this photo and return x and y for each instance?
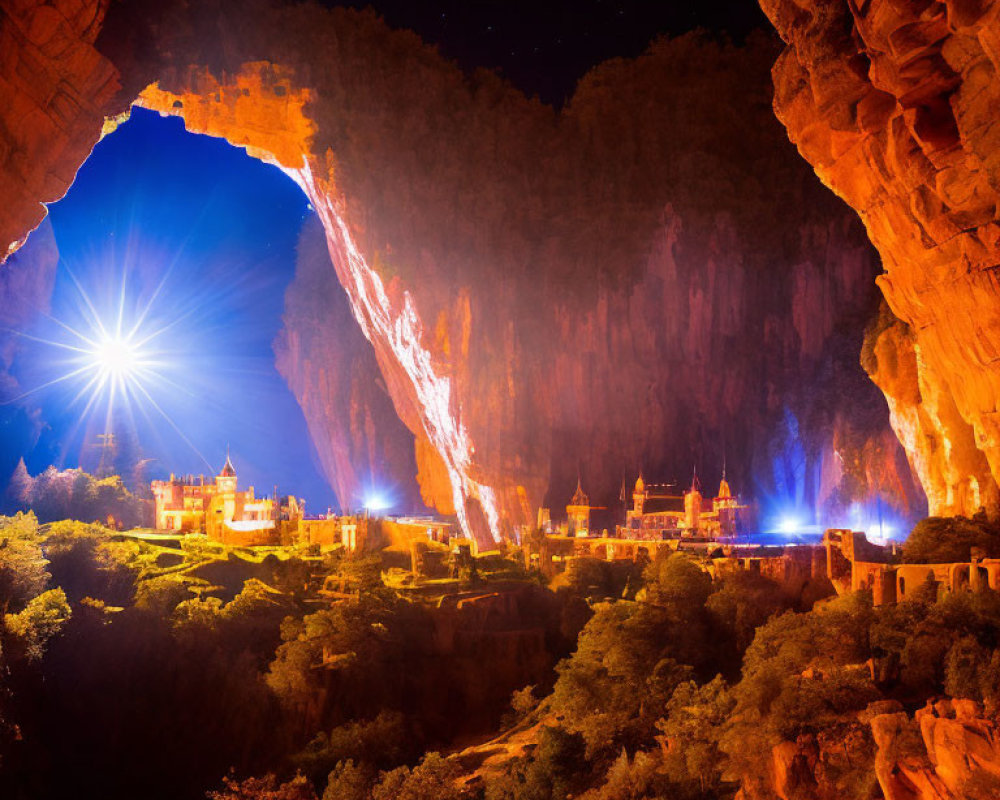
(219, 509)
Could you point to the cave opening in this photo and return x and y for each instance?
(413, 169)
(195, 244)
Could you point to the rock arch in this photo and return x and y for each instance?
(541, 291)
(265, 109)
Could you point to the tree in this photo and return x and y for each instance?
(938, 540)
(19, 488)
(348, 781)
(522, 703)
(613, 688)
(556, 770)
(435, 777)
(585, 577)
(375, 744)
(23, 573)
(744, 602)
(691, 728)
(678, 582)
(161, 594)
(40, 620)
(965, 665)
(74, 494)
(636, 778)
(801, 674)
(266, 788)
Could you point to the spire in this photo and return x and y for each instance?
(695, 485)
(724, 491)
(228, 471)
(579, 498)
(640, 485)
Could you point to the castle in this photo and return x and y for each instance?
(217, 508)
(656, 513)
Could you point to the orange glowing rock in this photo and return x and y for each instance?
(894, 104)
(55, 91)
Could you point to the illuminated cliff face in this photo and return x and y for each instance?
(650, 278)
(263, 110)
(365, 450)
(894, 105)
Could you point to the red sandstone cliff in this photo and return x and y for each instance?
(893, 103)
(55, 92)
(329, 365)
(648, 279)
(948, 750)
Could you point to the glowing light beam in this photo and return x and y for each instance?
(113, 359)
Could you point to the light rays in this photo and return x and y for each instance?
(173, 254)
(111, 358)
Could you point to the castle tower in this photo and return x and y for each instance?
(638, 496)
(578, 512)
(725, 506)
(225, 481)
(692, 505)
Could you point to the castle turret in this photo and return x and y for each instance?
(578, 512)
(725, 506)
(638, 495)
(692, 505)
(225, 481)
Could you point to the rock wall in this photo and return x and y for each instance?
(893, 103)
(364, 447)
(648, 279)
(948, 750)
(56, 89)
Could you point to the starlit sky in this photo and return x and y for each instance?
(175, 253)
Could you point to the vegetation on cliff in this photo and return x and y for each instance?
(125, 657)
(944, 540)
(74, 494)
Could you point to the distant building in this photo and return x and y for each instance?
(853, 563)
(332, 530)
(218, 509)
(578, 513)
(657, 512)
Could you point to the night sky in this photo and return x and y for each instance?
(218, 229)
(545, 47)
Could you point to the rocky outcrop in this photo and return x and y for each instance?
(940, 443)
(363, 446)
(948, 751)
(56, 89)
(893, 103)
(649, 278)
